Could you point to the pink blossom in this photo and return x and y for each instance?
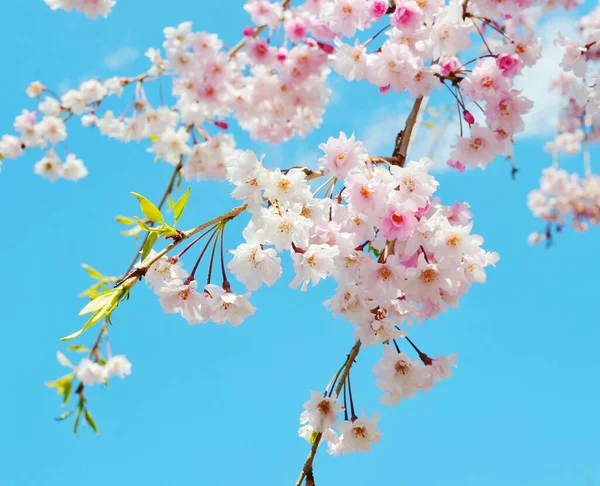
(398, 225)
(450, 65)
(407, 16)
(509, 64)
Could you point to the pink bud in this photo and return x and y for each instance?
(248, 31)
(282, 54)
(221, 124)
(455, 164)
(509, 64)
(469, 118)
(384, 89)
(378, 9)
(449, 66)
(327, 48)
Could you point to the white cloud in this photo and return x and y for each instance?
(121, 57)
(535, 81)
(433, 138)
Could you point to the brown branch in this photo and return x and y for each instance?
(307, 469)
(404, 137)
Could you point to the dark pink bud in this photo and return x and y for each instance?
(248, 31)
(327, 48)
(281, 54)
(449, 66)
(384, 89)
(455, 164)
(221, 124)
(469, 118)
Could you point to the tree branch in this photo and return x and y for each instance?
(405, 136)
(307, 469)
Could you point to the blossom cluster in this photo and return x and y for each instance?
(92, 8)
(96, 371)
(276, 87)
(563, 196)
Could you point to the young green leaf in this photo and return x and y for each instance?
(90, 420)
(98, 303)
(67, 392)
(144, 226)
(180, 204)
(78, 348)
(63, 415)
(150, 210)
(149, 244)
(125, 220)
(76, 423)
(171, 203)
(91, 271)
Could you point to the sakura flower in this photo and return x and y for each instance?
(50, 167)
(171, 145)
(118, 365)
(161, 271)
(11, 147)
(399, 376)
(90, 373)
(350, 61)
(320, 412)
(313, 264)
(73, 169)
(182, 297)
(342, 154)
(398, 224)
(358, 435)
(478, 150)
(253, 265)
(227, 306)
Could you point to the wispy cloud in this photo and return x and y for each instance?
(535, 81)
(121, 57)
(434, 137)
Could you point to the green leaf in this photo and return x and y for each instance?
(92, 272)
(90, 420)
(150, 210)
(61, 383)
(148, 245)
(76, 423)
(153, 138)
(180, 204)
(63, 416)
(94, 288)
(78, 348)
(67, 392)
(171, 203)
(125, 220)
(109, 301)
(147, 228)
(98, 303)
(135, 232)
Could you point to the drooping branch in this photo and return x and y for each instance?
(307, 469)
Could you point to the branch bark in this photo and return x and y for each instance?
(405, 136)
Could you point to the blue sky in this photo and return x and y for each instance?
(211, 405)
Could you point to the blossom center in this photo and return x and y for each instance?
(429, 275)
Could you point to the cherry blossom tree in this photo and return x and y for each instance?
(371, 222)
